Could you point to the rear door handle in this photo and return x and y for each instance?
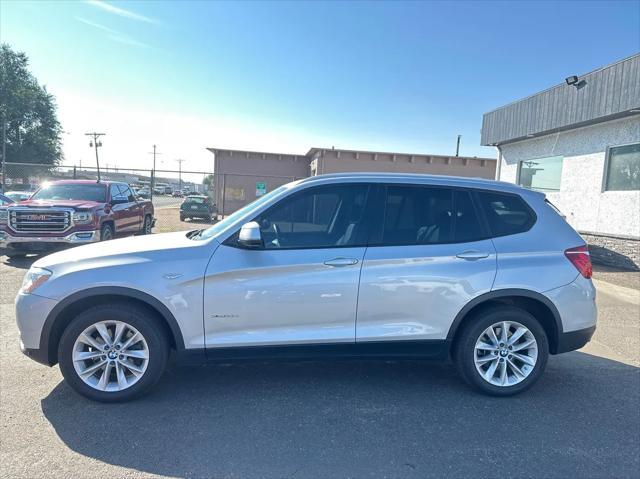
(472, 255)
(341, 262)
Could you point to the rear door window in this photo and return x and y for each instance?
(421, 215)
(506, 214)
(417, 215)
(467, 224)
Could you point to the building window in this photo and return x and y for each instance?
(622, 168)
(541, 174)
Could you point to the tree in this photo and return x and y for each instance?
(208, 182)
(28, 111)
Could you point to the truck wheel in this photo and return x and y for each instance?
(182, 217)
(113, 352)
(146, 227)
(106, 232)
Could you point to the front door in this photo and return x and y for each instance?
(302, 285)
(431, 256)
(133, 210)
(127, 215)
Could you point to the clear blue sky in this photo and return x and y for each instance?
(388, 76)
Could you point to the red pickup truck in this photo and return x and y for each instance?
(72, 212)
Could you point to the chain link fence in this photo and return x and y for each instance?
(167, 189)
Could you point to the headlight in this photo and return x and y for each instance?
(82, 217)
(4, 215)
(34, 278)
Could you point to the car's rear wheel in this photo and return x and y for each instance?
(113, 352)
(106, 232)
(502, 351)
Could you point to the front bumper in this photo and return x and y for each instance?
(31, 314)
(29, 242)
(38, 355)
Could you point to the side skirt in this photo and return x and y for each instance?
(424, 349)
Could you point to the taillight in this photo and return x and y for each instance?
(579, 257)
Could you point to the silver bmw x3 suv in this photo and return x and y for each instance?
(352, 265)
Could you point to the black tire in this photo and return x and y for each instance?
(147, 225)
(464, 351)
(182, 218)
(106, 232)
(141, 319)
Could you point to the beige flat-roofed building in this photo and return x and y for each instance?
(242, 176)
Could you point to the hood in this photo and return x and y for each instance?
(119, 251)
(59, 203)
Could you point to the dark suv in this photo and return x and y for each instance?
(198, 206)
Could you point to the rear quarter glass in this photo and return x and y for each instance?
(535, 259)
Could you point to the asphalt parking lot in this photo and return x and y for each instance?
(334, 418)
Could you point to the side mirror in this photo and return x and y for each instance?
(119, 200)
(250, 235)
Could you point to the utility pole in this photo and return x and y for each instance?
(153, 171)
(180, 173)
(458, 146)
(95, 142)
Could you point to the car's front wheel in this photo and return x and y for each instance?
(113, 352)
(502, 351)
(106, 232)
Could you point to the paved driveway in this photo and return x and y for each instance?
(333, 418)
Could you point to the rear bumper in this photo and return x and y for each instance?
(39, 242)
(196, 214)
(574, 339)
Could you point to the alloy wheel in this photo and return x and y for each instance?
(506, 353)
(110, 356)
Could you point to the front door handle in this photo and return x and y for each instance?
(472, 255)
(341, 262)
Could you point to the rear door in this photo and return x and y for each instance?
(430, 257)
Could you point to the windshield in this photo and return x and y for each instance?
(229, 220)
(83, 192)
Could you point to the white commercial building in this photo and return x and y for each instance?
(579, 142)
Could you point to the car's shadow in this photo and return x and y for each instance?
(20, 262)
(357, 418)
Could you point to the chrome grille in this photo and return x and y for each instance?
(39, 221)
